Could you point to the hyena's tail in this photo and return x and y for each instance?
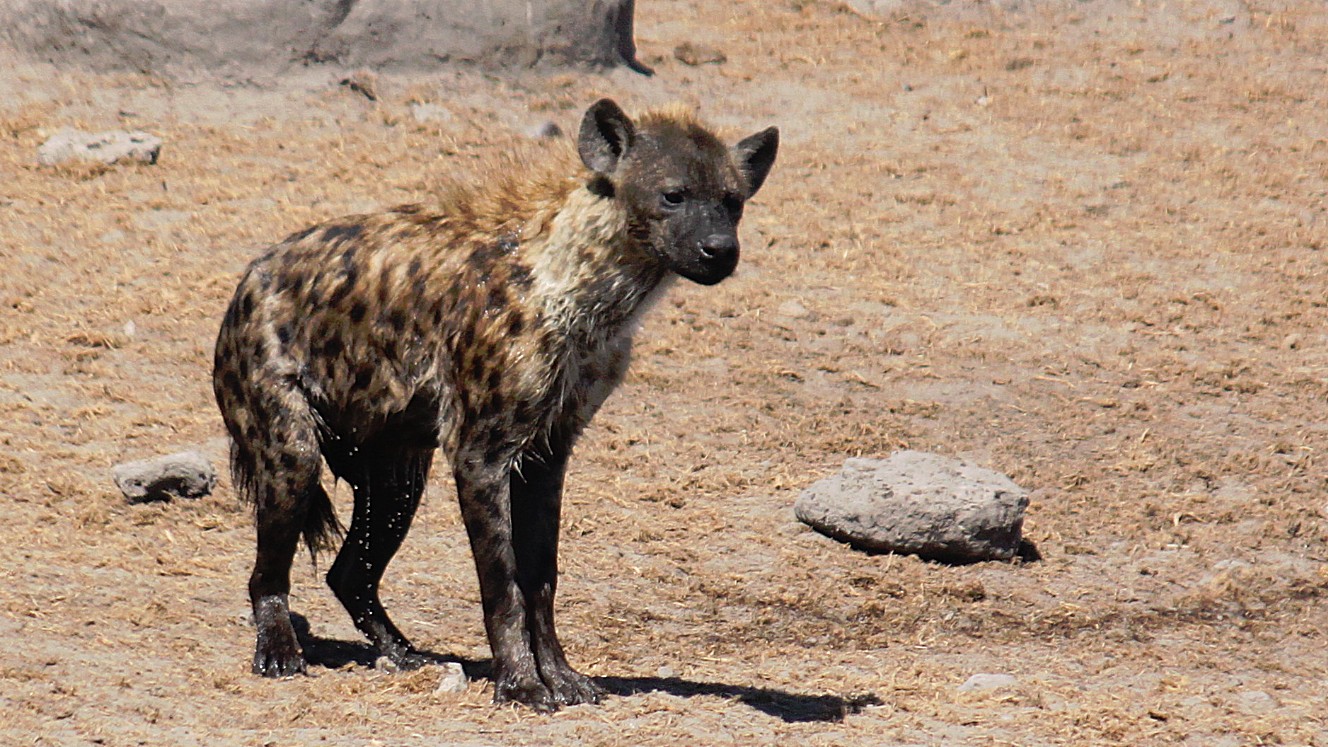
(322, 530)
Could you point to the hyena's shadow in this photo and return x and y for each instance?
(333, 653)
(790, 707)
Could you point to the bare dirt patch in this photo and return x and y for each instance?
(1082, 245)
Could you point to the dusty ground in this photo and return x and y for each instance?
(1082, 245)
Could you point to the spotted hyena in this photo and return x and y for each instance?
(491, 324)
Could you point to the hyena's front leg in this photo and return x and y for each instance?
(484, 490)
(536, 505)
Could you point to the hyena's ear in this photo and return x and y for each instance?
(606, 134)
(755, 155)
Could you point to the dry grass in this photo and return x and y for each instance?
(1084, 250)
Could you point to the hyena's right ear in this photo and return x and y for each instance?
(606, 134)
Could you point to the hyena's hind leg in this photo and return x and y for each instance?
(277, 463)
(388, 482)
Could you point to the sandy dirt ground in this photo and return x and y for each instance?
(1079, 243)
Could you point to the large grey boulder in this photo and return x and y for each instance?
(242, 37)
(915, 503)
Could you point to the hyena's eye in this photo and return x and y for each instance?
(673, 197)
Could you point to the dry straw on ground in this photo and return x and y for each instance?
(1085, 250)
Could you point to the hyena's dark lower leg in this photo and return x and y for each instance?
(387, 485)
(484, 491)
(536, 494)
(285, 487)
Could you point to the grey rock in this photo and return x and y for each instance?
(240, 38)
(188, 474)
(453, 679)
(1255, 702)
(424, 113)
(385, 664)
(545, 130)
(987, 681)
(105, 147)
(914, 503)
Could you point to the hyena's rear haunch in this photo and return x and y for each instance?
(493, 325)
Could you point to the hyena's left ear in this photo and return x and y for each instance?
(755, 155)
(606, 134)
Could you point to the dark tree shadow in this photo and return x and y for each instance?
(790, 707)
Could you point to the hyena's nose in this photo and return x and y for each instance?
(719, 247)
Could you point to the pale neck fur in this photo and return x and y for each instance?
(587, 277)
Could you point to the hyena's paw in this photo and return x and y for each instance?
(279, 658)
(570, 687)
(528, 691)
(408, 659)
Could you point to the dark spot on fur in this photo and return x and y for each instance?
(484, 255)
(364, 376)
(342, 233)
(397, 321)
(494, 381)
(342, 290)
(496, 439)
(333, 347)
(479, 366)
(520, 275)
(601, 186)
(246, 305)
(289, 461)
(301, 235)
(515, 324)
(284, 334)
(357, 311)
(232, 382)
(414, 268)
(497, 297)
(493, 405)
(291, 281)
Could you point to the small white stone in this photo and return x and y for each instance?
(986, 681)
(453, 679)
(429, 112)
(793, 310)
(384, 664)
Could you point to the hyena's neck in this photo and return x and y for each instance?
(590, 277)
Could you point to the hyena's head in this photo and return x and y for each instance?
(683, 189)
